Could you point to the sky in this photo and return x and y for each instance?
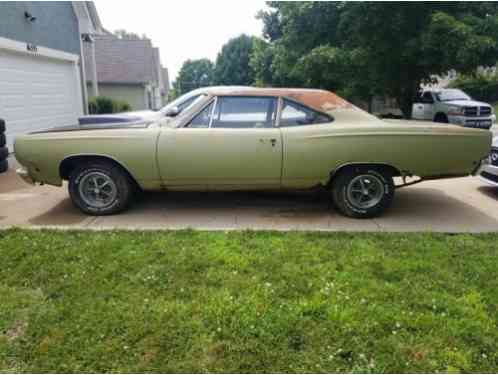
(183, 29)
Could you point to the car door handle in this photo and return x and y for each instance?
(273, 141)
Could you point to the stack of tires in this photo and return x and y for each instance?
(4, 151)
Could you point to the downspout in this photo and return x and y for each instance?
(83, 78)
(95, 85)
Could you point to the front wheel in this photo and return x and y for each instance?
(363, 192)
(100, 188)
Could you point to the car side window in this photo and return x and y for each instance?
(203, 118)
(187, 103)
(295, 114)
(427, 98)
(244, 112)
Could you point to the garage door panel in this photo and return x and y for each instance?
(37, 93)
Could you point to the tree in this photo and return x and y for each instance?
(123, 34)
(193, 74)
(368, 48)
(232, 63)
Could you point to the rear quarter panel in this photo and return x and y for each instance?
(311, 153)
(135, 149)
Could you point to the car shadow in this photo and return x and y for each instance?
(490, 191)
(414, 209)
(297, 203)
(63, 213)
(429, 208)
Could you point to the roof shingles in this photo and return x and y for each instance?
(125, 61)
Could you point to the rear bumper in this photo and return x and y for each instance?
(24, 174)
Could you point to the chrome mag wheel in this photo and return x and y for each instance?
(97, 189)
(365, 191)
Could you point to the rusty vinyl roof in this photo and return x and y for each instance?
(320, 100)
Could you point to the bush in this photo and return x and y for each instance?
(121, 106)
(480, 86)
(104, 105)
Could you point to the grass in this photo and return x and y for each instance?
(495, 107)
(193, 301)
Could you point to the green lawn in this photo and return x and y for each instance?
(496, 107)
(247, 302)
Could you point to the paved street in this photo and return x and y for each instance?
(454, 205)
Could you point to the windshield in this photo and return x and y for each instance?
(183, 102)
(453, 94)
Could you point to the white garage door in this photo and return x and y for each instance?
(37, 92)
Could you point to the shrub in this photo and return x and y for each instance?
(121, 106)
(105, 105)
(480, 86)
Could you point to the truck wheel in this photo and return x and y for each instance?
(4, 153)
(363, 192)
(4, 165)
(100, 188)
(441, 117)
(3, 140)
(2, 125)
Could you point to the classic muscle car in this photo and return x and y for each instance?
(243, 138)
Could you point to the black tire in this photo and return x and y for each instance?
(4, 165)
(2, 125)
(4, 153)
(441, 117)
(116, 174)
(344, 200)
(3, 140)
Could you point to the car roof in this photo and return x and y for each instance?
(320, 100)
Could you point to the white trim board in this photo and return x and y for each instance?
(21, 47)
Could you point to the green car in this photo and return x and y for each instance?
(244, 138)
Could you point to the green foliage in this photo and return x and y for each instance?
(368, 48)
(120, 106)
(123, 34)
(260, 62)
(193, 74)
(232, 64)
(480, 86)
(105, 105)
(247, 302)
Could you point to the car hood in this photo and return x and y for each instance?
(95, 126)
(119, 117)
(467, 103)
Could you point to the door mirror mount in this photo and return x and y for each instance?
(172, 112)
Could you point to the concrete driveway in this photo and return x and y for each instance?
(454, 205)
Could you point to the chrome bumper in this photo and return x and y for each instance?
(24, 174)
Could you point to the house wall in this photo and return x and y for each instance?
(55, 26)
(134, 95)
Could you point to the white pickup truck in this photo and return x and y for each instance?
(452, 106)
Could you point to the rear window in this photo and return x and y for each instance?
(295, 114)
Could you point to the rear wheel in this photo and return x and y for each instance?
(363, 192)
(100, 188)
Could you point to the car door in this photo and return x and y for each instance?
(232, 143)
(423, 109)
(310, 145)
